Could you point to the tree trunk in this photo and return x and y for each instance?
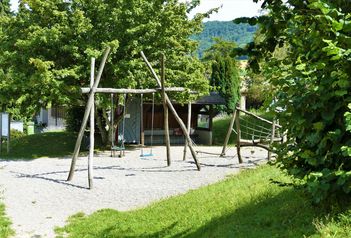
(103, 132)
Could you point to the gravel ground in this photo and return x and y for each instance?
(38, 197)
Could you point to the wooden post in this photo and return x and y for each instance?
(165, 110)
(210, 123)
(142, 133)
(189, 128)
(8, 133)
(272, 140)
(237, 120)
(92, 128)
(229, 132)
(86, 115)
(174, 112)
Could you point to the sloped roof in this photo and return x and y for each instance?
(213, 99)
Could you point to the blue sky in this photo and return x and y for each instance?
(230, 10)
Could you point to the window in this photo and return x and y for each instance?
(203, 121)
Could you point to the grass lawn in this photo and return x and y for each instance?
(246, 205)
(49, 144)
(5, 230)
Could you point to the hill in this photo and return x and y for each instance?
(227, 30)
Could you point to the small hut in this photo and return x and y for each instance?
(203, 112)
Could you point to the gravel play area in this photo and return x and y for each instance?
(38, 197)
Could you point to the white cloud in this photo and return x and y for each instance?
(14, 5)
(230, 9)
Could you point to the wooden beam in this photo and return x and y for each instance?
(86, 115)
(92, 127)
(229, 132)
(170, 106)
(165, 110)
(189, 128)
(135, 91)
(238, 131)
(272, 140)
(257, 117)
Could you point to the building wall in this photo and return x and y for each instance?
(204, 137)
(52, 118)
(132, 120)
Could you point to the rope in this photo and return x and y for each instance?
(124, 119)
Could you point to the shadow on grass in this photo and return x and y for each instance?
(285, 215)
(288, 214)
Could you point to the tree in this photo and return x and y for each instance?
(313, 89)
(224, 72)
(49, 45)
(5, 8)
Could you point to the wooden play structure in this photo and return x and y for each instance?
(248, 133)
(89, 112)
(252, 130)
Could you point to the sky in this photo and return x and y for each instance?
(230, 9)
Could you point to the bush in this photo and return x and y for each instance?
(74, 118)
(15, 134)
(313, 90)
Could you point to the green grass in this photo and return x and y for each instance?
(5, 229)
(246, 205)
(50, 144)
(220, 128)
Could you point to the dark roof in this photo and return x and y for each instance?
(213, 99)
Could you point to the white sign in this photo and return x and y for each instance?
(17, 125)
(5, 124)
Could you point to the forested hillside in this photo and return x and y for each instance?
(227, 30)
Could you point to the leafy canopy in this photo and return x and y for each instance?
(48, 46)
(313, 88)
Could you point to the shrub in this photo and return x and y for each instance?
(74, 118)
(313, 90)
(15, 134)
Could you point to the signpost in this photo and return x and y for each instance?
(5, 120)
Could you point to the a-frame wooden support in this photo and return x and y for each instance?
(174, 112)
(234, 119)
(87, 112)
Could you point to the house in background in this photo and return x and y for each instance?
(52, 119)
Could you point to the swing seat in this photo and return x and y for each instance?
(147, 155)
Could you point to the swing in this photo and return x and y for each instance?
(152, 126)
(121, 147)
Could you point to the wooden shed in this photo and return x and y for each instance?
(203, 112)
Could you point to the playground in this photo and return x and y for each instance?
(44, 199)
